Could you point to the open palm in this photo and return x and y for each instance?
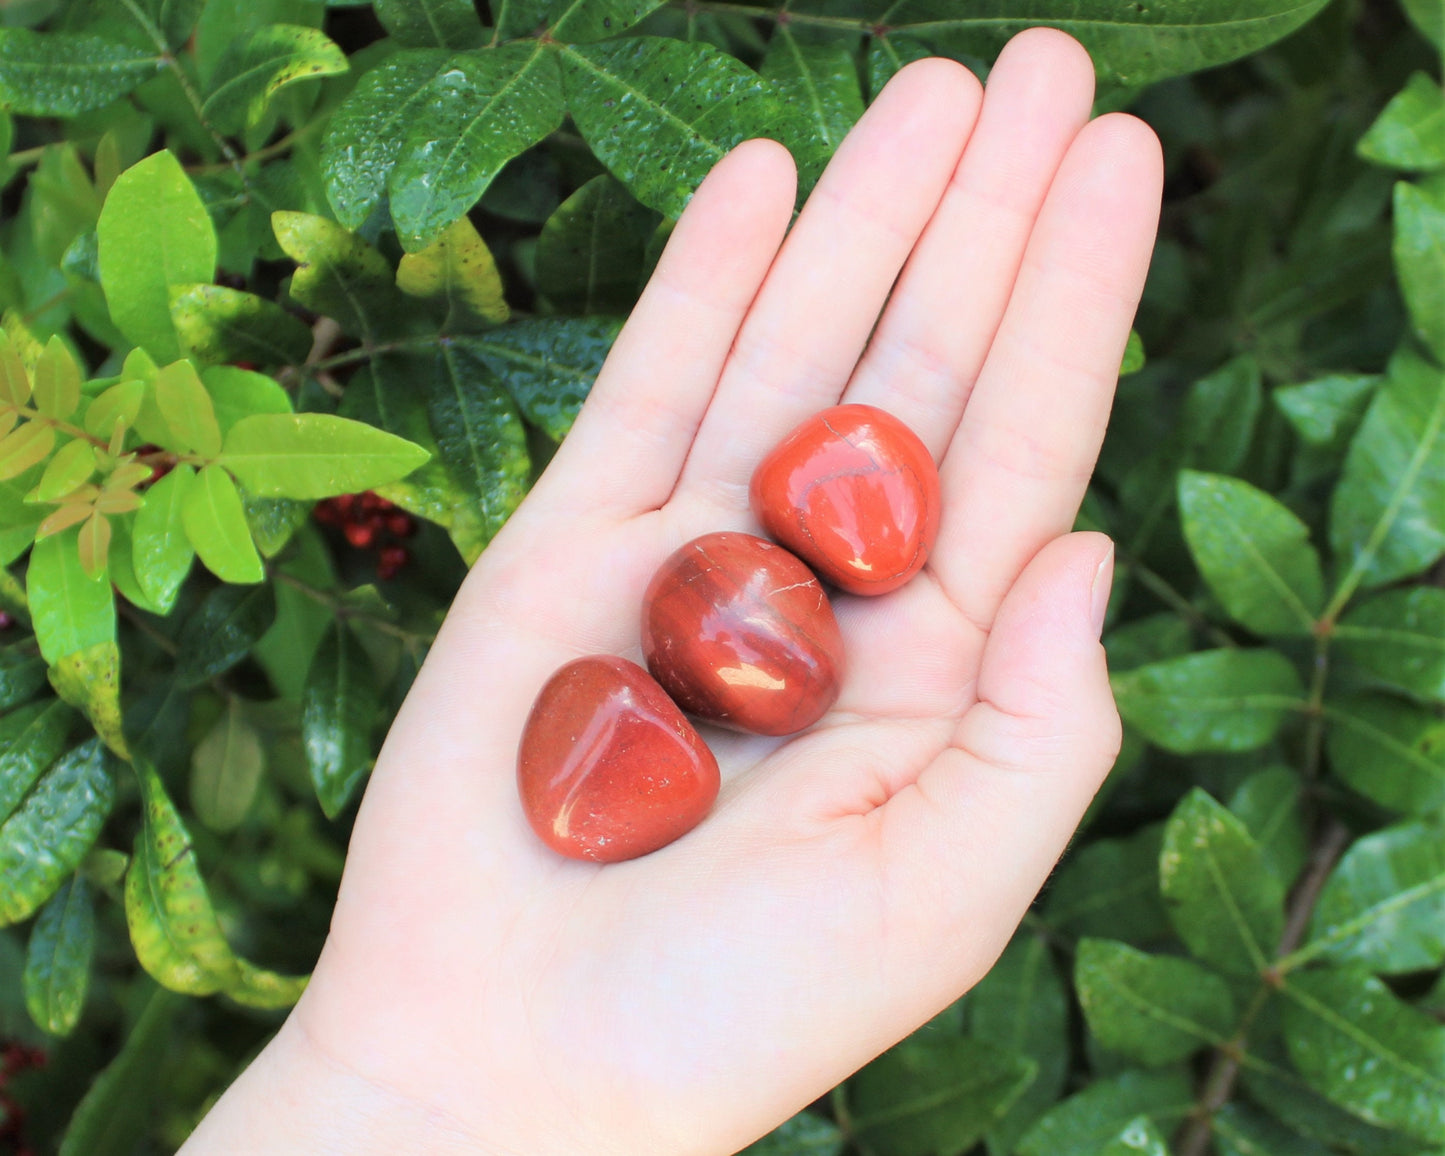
(970, 263)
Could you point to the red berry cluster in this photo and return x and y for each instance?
(14, 1059)
(369, 522)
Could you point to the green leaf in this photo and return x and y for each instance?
(154, 232)
(479, 434)
(31, 738)
(160, 551)
(57, 74)
(1021, 1005)
(238, 393)
(571, 21)
(821, 79)
(1111, 888)
(1390, 751)
(56, 381)
(1419, 251)
(1410, 132)
(1268, 804)
(1131, 45)
(591, 256)
(1138, 1136)
(548, 365)
(428, 23)
(1368, 1051)
(26, 446)
(482, 111)
(215, 324)
(173, 926)
(1387, 520)
(1253, 552)
(1383, 906)
(71, 611)
(222, 631)
(1154, 1009)
(339, 708)
(1429, 17)
(70, 467)
(45, 839)
(1212, 700)
(89, 680)
(120, 404)
(802, 1135)
(1133, 360)
(215, 524)
(314, 455)
(1327, 411)
(660, 113)
(273, 522)
(936, 1094)
(1399, 637)
(186, 407)
(226, 769)
(1090, 1119)
(1241, 1130)
(458, 273)
(339, 274)
(365, 135)
(1220, 413)
(254, 69)
(1223, 899)
(57, 962)
(21, 675)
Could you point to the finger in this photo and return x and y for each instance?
(1016, 469)
(632, 436)
(922, 361)
(823, 295)
(971, 842)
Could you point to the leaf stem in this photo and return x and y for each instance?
(411, 638)
(782, 15)
(1160, 587)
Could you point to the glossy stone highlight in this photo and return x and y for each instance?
(608, 768)
(740, 633)
(855, 494)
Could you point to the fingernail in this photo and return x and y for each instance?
(1099, 592)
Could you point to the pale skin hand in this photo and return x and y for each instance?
(480, 994)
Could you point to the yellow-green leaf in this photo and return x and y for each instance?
(89, 680)
(187, 409)
(226, 768)
(24, 447)
(315, 455)
(215, 524)
(458, 273)
(57, 381)
(119, 404)
(71, 611)
(161, 552)
(70, 467)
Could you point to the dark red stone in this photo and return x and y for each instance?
(855, 494)
(608, 767)
(740, 633)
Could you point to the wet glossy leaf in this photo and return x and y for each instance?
(571, 21)
(457, 273)
(215, 525)
(1387, 520)
(216, 324)
(548, 365)
(57, 961)
(222, 630)
(1410, 132)
(226, 768)
(1253, 552)
(58, 74)
(1399, 637)
(1268, 803)
(313, 455)
(1212, 700)
(339, 274)
(273, 521)
(154, 233)
(1327, 411)
(1224, 901)
(187, 410)
(21, 675)
(89, 680)
(1388, 750)
(1367, 1050)
(365, 135)
(1138, 1138)
(71, 611)
(56, 381)
(1420, 260)
(47, 836)
(483, 110)
(1088, 1120)
(1111, 888)
(431, 23)
(31, 738)
(803, 1135)
(1383, 906)
(1243, 1130)
(592, 252)
(160, 551)
(339, 708)
(822, 79)
(936, 1094)
(1154, 1009)
(252, 70)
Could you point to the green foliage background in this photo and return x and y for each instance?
(256, 254)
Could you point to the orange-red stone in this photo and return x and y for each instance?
(608, 767)
(740, 633)
(855, 494)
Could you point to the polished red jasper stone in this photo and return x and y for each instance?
(855, 494)
(739, 632)
(609, 768)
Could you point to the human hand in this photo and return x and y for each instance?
(478, 993)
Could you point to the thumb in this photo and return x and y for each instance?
(991, 817)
